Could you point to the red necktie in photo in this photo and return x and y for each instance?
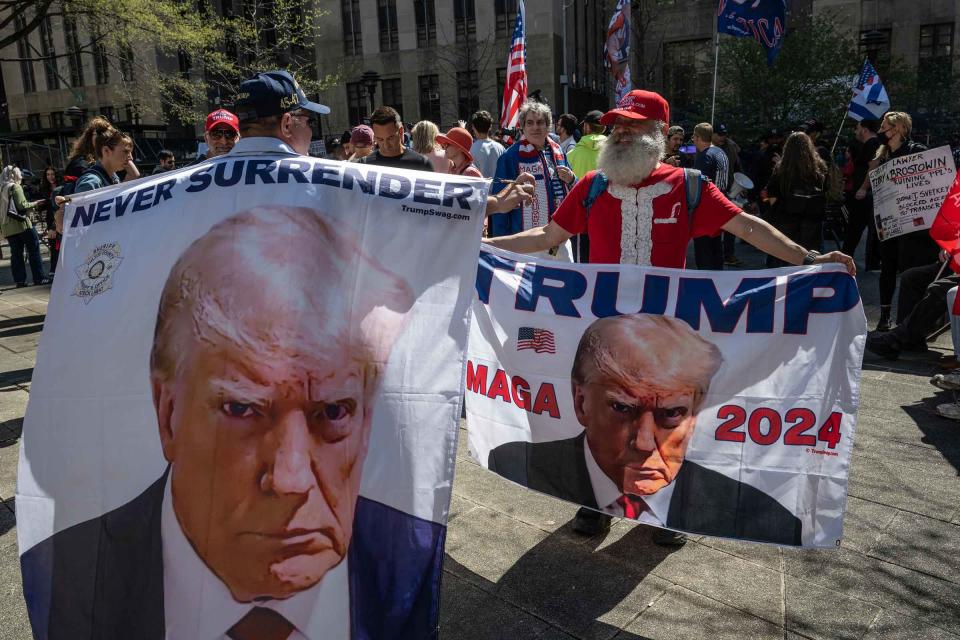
(632, 506)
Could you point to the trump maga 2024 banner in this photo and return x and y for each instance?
(719, 403)
(245, 405)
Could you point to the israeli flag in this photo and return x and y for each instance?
(870, 100)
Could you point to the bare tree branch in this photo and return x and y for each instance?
(40, 8)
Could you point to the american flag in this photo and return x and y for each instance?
(870, 100)
(515, 89)
(540, 340)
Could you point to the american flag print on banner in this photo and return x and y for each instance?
(540, 340)
(515, 89)
(870, 100)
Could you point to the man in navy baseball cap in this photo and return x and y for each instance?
(271, 104)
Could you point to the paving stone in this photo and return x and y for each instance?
(726, 578)
(865, 581)
(579, 591)
(13, 405)
(682, 614)
(825, 614)
(920, 543)
(487, 488)
(14, 624)
(863, 523)
(765, 555)
(892, 626)
(469, 613)
(484, 545)
(459, 506)
(904, 476)
(630, 543)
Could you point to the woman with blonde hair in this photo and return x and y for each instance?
(914, 249)
(17, 228)
(423, 137)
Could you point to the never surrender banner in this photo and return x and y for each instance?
(722, 404)
(244, 412)
(908, 191)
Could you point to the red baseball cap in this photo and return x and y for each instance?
(222, 116)
(639, 105)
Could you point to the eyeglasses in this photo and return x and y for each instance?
(225, 134)
(311, 119)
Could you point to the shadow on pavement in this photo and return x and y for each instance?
(559, 582)
(18, 376)
(7, 518)
(937, 431)
(10, 432)
(22, 326)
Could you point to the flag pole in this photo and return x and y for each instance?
(843, 119)
(716, 63)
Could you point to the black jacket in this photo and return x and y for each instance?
(703, 500)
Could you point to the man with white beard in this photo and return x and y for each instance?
(641, 217)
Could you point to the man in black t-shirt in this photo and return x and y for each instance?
(388, 135)
(860, 203)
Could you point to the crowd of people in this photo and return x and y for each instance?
(546, 181)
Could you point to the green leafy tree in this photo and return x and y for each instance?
(178, 54)
(811, 77)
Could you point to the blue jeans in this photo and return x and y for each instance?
(31, 242)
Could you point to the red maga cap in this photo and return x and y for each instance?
(639, 105)
(222, 116)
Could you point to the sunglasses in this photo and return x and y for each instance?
(225, 134)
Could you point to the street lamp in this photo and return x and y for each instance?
(370, 80)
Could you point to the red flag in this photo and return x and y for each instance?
(945, 229)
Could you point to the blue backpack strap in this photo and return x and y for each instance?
(692, 181)
(598, 185)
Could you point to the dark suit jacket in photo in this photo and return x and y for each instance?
(703, 501)
(103, 579)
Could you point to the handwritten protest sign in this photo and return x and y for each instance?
(908, 191)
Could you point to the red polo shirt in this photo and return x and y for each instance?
(670, 239)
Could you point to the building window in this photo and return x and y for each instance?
(127, 61)
(33, 122)
(936, 40)
(391, 95)
(56, 120)
(426, 15)
(108, 113)
(506, 13)
(27, 77)
(387, 21)
(875, 45)
(687, 72)
(49, 53)
(352, 39)
(466, 20)
(468, 93)
(101, 69)
(430, 98)
(73, 47)
(184, 63)
(356, 103)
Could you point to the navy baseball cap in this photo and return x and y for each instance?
(272, 93)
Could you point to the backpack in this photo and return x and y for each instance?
(105, 179)
(600, 182)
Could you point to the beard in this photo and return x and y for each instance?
(628, 159)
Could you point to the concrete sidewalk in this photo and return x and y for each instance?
(514, 568)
